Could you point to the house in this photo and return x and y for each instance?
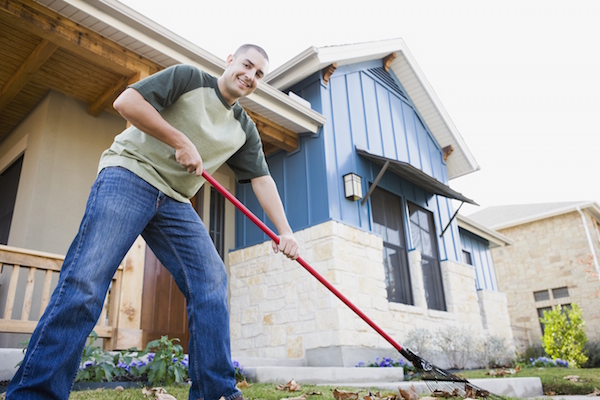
(396, 252)
(62, 64)
(553, 261)
(363, 112)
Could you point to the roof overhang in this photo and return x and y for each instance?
(404, 66)
(590, 206)
(415, 175)
(141, 35)
(494, 238)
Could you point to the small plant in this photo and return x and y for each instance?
(564, 337)
(96, 365)
(592, 351)
(386, 362)
(240, 375)
(167, 362)
(457, 344)
(422, 342)
(545, 362)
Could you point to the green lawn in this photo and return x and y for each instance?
(552, 381)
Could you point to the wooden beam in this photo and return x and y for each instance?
(26, 71)
(447, 151)
(38, 20)
(327, 71)
(274, 134)
(105, 100)
(387, 61)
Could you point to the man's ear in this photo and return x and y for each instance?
(229, 60)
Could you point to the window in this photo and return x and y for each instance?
(424, 238)
(559, 293)
(389, 223)
(9, 183)
(541, 295)
(217, 221)
(540, 312)
(467, 257)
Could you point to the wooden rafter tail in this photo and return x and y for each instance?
(328, 71)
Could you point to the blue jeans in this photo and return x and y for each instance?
(122, 206)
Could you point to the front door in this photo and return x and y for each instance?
(163, 304)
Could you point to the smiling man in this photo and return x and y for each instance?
(183, 120)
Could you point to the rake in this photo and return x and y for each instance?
(437, 379)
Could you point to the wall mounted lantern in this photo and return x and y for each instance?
(353, 186)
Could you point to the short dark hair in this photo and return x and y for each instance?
(243, 48)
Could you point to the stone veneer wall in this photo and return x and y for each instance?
(280, 312)
(546, 254)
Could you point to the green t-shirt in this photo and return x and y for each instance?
(190, 100)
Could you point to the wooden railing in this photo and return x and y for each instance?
(15, 263)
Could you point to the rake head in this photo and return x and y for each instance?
(443, 383)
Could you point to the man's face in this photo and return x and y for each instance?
(242, 74)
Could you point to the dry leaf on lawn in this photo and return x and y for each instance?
(344, 395)
(303, 397)
(243, 384)
(596, 392)
(291, 386)
(474, 393)
(410, 394)
(165, 396)
(119, 389)
(373, 396)
(572, 378)
(314, 393)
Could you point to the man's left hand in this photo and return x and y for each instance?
(288, 246)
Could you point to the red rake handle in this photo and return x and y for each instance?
(300, 260)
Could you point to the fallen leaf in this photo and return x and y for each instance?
(291, 386)
(410, 394)
(165, 396)
(119, 389)
(242, 384)
(314, 393)
(550, 393)
(572, 378)
(518, 368)
(344, 395)
(303, 397)
(473, 392)
(373, 396)
(596, 392)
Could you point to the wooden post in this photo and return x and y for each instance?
(129, 321)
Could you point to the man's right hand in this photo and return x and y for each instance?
(189, 158)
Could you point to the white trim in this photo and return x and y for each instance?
(589, 239)
(495, 238)
(559, 211)
(14, 153)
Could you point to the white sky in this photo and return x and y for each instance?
(520, 79)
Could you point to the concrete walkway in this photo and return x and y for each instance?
(389, 379)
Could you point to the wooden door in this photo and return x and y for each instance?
(163, 304)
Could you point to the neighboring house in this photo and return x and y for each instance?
(397, 253)
(553, 260)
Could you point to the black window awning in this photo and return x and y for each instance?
(411, 174)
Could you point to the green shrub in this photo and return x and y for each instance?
(532, 352)
(564, 337)
(592, 351)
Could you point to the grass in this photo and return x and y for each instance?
(552, 381)
(262, 391)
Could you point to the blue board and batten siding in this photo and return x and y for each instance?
(481, 259)
(365, 107)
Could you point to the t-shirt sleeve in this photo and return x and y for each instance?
(164, 88)
(249, 161)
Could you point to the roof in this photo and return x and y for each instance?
(415, 175)
(495, 239)
(501, 217)
(115, 41)
(404, 66)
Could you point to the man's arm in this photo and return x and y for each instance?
(141, 114)
(266, 192)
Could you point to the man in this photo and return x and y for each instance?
(182, 121)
